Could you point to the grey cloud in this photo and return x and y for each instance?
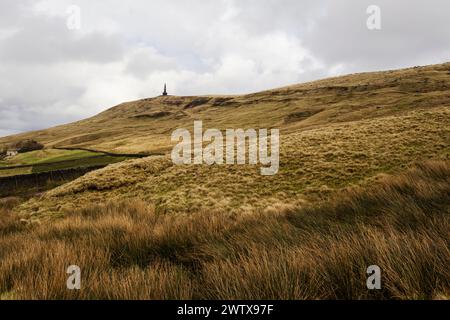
(145, 61)
(16, 118)
(11, 11)
(46, 40)
(292, 16)
(413, 32)
(127, 50)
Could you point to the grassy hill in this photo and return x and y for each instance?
(334, 133)
(363, 179)
(313, 164)
(145, 125)
(48, 160)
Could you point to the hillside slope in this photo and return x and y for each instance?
(335, 133)
(364, 179)
(145, 125)
(313, 164)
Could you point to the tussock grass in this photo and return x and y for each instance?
(129, 250)
(313, 165)
(335, 133)
(9, 203)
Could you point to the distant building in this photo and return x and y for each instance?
(12, 153)
(165, 90)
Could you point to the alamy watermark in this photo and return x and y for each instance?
(374, 20)
(73, 21)
(374, 280)
(74, 280)
(236, 151)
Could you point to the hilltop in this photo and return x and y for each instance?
(145, 125)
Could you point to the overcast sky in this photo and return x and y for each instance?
(54, 70)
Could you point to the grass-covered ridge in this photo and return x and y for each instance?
(145, 125)
(313, 164)
(364, 179)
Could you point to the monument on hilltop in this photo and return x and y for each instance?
(165, 90)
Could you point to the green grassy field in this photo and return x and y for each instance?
(15, 172)
(54, 159)
(313, 165)
(77, 163)
(46, 156)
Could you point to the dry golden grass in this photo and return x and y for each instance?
(313, 165)
(146, 229)
(128, 250)
(133, 127)
(335, 133)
